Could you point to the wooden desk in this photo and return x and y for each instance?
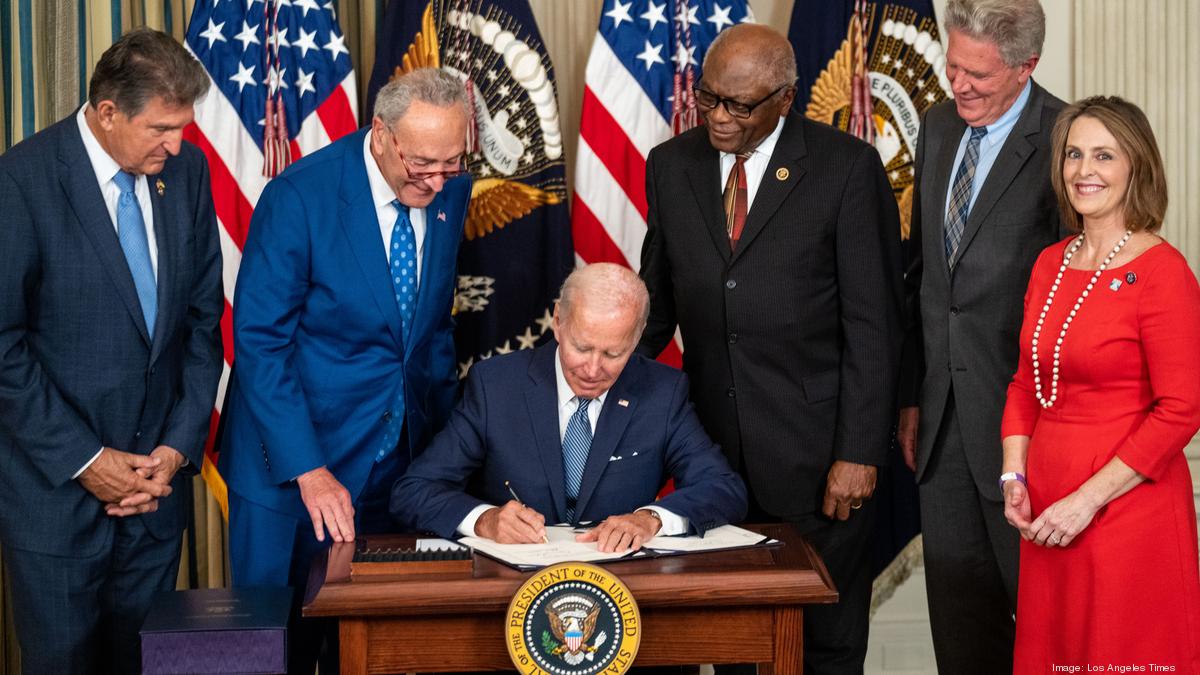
(730, 607)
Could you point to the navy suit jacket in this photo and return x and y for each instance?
(77, 367)
(320, 362)
(506, 428)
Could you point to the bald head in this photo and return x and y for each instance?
(754, 51)
(606, 288)
(597, 322)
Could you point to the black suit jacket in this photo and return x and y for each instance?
(791, 341)
(964, 326)
(78, 369)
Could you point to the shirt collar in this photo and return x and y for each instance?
(767, 147)
(1010, 116)
(381, 192)
(102, 163)
(565, 395)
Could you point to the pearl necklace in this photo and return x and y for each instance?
(1037, 330)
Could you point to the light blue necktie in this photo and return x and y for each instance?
(576, 444)
(960, 195)
(403, 269)
(131, 231)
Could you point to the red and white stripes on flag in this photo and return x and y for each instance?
(310, 77)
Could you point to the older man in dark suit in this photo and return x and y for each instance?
(983, 208)
(787, 296)
(110, 353)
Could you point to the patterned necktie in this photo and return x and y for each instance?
(131, 231)
(404, 266)
(576, 444)
(960, 195)
(736, 196)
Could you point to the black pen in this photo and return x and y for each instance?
(511, 491)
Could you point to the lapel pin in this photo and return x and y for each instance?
(161, 187)
(1115, 285)
(1130, 277)
(441, 216)
(623, 403)
(781, 174)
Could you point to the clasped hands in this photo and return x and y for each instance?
(128, 483)
(515, 523)
(1057, 525)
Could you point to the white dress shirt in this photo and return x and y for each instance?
(382, 196)
(756, 164)
(106, 169)
(568, 403)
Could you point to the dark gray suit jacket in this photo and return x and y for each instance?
(963, 327)
(77, 367)
(792, 342)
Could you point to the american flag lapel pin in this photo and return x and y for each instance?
(624, 403)
(441, 216)
(161, 187)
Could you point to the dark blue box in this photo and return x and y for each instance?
(226, 630)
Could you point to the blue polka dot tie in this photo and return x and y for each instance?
(131, 232)
(403, 266)
(577, 442)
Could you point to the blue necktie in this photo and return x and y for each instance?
(576, 444)
(131, 231)
(960, 195)
(403, 269)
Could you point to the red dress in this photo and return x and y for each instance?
(1126, 591)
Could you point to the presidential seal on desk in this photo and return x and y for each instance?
(573, 619)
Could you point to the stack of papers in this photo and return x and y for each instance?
(562, 547)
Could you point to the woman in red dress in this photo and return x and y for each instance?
(1106, 396)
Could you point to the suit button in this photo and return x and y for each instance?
(733, 338)
(153, 371)
(387, 416)
(137, 435)
(730, 392)
(954, 310)
(731, 284)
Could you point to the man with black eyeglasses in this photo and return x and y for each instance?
(344, 360)
(773, 244)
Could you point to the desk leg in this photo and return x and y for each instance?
(352, 637)
(789, 643)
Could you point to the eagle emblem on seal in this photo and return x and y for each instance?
(572, 622)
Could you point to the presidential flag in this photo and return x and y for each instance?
(645, 59)
(872, 68)
(282, 87)
(516, 248)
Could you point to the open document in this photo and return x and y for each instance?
(562, 547)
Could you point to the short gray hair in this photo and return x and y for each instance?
(607, 286)
(428, 85)
(1016, 27)
(778, 59)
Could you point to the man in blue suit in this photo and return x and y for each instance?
(344, 361)
(583, 430)
(110, 353)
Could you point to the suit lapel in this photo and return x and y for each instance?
(1013, 155)
(78, 181)
(786, 161)
(165, 209)
(436, 238)
(704, 176)
(361, 227)
(943, 174)
(614, 418)
(541, 399)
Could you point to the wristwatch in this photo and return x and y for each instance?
(1012, 475)
(653, 514)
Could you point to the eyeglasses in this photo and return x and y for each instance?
(708, 101)
(415, 176)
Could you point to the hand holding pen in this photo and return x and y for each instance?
(513, 523)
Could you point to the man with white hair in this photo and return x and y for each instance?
(983, 208)
(582, 429)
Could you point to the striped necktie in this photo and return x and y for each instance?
(960, 195)
(131, 232)
(736, 197)
(577, 441)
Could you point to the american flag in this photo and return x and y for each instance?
(282, 87)
(644, 61)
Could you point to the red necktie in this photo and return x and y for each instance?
(736, 196)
